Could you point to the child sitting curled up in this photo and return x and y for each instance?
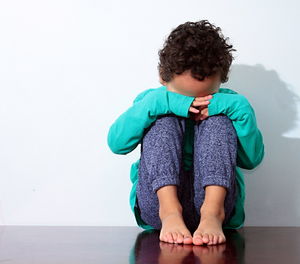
(194, 135)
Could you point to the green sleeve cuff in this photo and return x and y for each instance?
(228, 104)
(212, 107)
(179, 104)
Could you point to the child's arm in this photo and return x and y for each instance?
(250, 141)
(127, 130)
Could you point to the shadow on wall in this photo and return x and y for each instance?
(272, 192)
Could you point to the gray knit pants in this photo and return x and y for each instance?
(161, 164)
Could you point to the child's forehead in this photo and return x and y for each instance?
(187, 78)
(185, 83)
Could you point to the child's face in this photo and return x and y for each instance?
(185, 84)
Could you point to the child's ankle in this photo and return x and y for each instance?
(212, 210)
(163, 212)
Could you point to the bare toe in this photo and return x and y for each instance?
(179, 238)
(205, 238)
(197, 238)
(213, 240)
(222, 239)
(188, 239)
(169, 237)
(175, 236)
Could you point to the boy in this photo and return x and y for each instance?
(193, 135)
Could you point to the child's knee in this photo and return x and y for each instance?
(164, 127)
(219, 119)
(220, 123)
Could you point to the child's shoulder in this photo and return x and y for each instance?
(227, 90)
(143, 93)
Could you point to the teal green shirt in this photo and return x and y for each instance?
(127, 131)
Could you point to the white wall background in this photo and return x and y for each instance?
(68, 69)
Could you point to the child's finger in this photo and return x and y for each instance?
(194, 110)
(204, 114)
(200, 103)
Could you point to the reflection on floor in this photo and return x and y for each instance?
(87, 245)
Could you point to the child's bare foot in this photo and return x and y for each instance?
(174, 229)
(209, 230)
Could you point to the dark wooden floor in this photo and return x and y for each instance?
(85, 245)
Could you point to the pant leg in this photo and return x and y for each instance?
(215, 151)
(160, 164)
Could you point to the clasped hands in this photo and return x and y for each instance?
(199, 107)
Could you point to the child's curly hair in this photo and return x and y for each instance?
(196, 46)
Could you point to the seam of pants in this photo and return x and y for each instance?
(216, 181)
(161, 182)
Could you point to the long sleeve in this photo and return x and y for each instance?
(250, 141)
(127, 130)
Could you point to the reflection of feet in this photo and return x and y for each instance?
(174, 229)
(209, 230)
(173, 253)
(211, 255)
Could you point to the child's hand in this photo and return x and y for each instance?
(198, 109)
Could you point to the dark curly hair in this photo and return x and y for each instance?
(196, 46)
